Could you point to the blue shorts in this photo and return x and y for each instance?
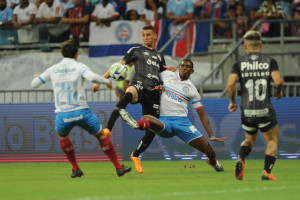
(84, 118)
(180, 126)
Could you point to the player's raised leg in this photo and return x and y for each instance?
(130, 96)
(271, 137)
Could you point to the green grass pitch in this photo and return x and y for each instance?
(161, 180)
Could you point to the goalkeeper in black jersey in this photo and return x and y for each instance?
(254, 72)
(148, 63)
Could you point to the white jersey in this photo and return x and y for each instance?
(104, 12)
(56, 10)
(177, 95)
(67, 79)
(28, 33)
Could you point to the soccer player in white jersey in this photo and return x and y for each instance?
(173, 121)
(71, 108)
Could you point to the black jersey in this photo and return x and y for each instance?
(148, 64)
(254, 72)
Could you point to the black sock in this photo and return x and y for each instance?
(244, 152)
(125, 100)
(269, 163)
(144, 143)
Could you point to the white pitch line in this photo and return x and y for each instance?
(178, 194)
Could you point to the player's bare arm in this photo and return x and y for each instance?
(96, 86)
(278, 81)
(204, 119)
(231, 92)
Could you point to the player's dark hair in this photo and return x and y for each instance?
(69, 48)
(149, 27)
(189, 60)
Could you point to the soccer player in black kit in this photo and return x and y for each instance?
(254, 72)
(148, 63)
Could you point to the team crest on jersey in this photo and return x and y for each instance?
(123, 32)
(185, 89)
(254, 57)
(173, 29)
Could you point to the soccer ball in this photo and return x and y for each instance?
(118, 71)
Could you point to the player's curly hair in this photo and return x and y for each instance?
(69, 48)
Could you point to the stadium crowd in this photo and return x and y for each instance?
(54, 21)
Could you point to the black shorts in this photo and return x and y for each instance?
(251, 125)
(150, 101)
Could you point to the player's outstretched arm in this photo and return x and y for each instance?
(38, 80)
(204, 119)
(95, 78)
(96, 86)
(231, 89)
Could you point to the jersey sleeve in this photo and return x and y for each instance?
(41, 79)
(91, 76)
(235, 68)
(273, 65)
(162, 63)
(196, 100)
(129, 57)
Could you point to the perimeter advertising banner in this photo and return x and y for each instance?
(27, 134)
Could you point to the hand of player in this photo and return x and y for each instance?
(109, 86)
(35, 76)
(170, 68)
(232, 107)
(95, 87)
(213, 138)
(159, 88)
(279, 96)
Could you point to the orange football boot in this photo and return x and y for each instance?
(137, 162)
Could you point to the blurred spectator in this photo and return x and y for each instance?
(270, 9)
(153, 10)
(23, 17)
(296, 25)
(216, 9)
(78, 18)
(287, 7)
(198, 5)
(251, 4)
(295, 5)
(241, 21)
(132, 15)
(104, 13)
(120, 8)
(231, 14)
(180, 10)
(67, 4)
(6, 29)
(252, 18)
(138, 5)
(50, 13)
